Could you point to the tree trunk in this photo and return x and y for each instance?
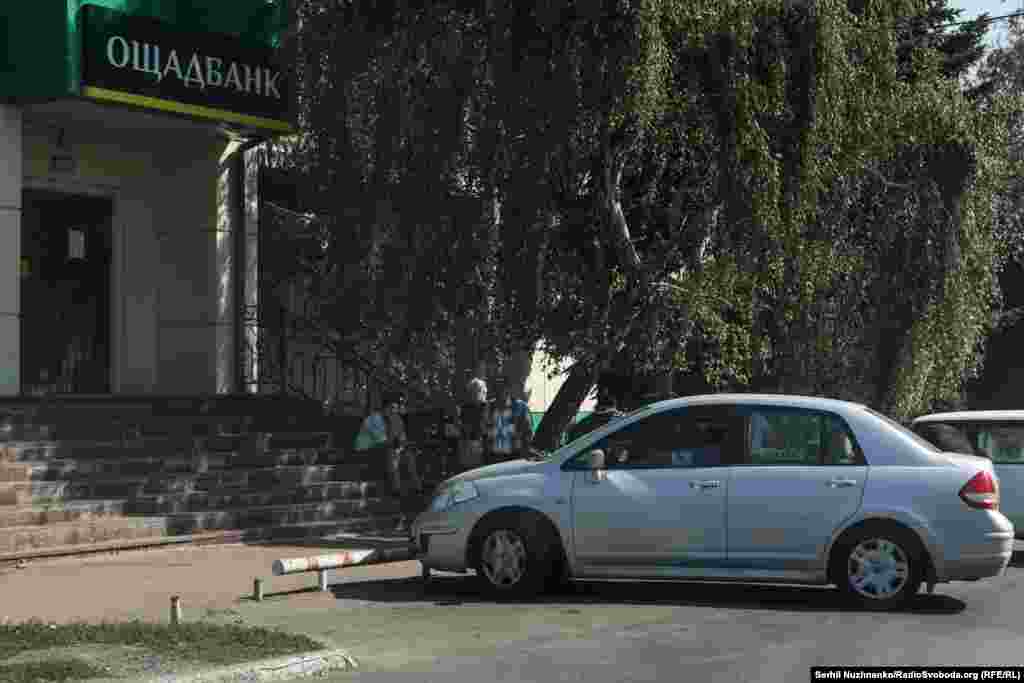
(517, 370)
(559, 415)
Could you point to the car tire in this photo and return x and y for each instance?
(879, 566)
(515, 556)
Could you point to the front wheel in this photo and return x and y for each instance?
(514, 560)
(880, 568)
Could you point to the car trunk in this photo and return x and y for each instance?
(974, 462)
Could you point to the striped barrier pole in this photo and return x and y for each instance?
(349, 558)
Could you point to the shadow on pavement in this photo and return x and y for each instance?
(1017, 560)
(457, 590)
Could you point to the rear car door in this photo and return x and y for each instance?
(803, 475)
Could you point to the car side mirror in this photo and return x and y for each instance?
(597, 466)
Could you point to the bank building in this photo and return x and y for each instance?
(128, 265)
(122, 231)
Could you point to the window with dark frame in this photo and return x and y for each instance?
(675, 439)
(799, 437)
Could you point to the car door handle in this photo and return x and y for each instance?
(702, 485)
(840, 483)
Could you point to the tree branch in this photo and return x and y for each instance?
(886, 182)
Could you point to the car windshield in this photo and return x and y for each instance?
(921, 441)
(618, 419)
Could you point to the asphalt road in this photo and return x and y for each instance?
(400, 630)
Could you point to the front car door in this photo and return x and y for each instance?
(658, 509)
(802, 477)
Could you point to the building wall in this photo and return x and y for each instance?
(167, 278)
(541, 388)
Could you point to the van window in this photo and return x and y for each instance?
(1000, 442)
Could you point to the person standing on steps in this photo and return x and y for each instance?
(373, 438)
(523, 428)
(473, 430)
(403, 454)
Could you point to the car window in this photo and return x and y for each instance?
(893, 424)
(673, 439)
(792, 436)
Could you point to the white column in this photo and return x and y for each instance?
(252, 260)
(227, 219)
(11, 162)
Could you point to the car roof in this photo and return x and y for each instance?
(784, 400)
(973, 415)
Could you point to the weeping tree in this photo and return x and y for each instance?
(769, 182)
(394, 169)
(912, 242)
(773, 194)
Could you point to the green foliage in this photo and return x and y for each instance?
(810, 180)
(199, 641)
(58, 670)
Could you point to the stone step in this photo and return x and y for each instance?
(36, 538)
(381, 525)
(78, 470)
(272, 477)
(300, 440)
(381, 529)
(41, 451)
(95, 489)
(279, 515)
(241, 449)
(190, 425)
(71, 511)
(12, 472)
(251, 500)
(112, 467)
(229, 498)
(272, 481)
(25, 432)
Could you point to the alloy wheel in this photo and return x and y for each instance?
(878, 569)
(503, 558)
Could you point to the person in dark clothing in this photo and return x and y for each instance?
(605, 411)
(449, 433)
(475, 414)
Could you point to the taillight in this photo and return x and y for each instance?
(982, 492)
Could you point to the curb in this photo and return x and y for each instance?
(280, 669)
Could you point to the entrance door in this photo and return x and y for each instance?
(65, 293)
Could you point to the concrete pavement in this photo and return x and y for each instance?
(399, 629)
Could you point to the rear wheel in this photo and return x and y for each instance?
(879, 566)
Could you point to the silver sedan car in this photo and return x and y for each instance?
(742, 487)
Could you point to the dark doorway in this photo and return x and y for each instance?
(65, 293)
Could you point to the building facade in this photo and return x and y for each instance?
(127, 239)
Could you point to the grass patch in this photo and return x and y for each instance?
(58, 670)
(197, 643)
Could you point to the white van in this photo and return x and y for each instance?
(995, 434)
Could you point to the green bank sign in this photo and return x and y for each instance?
(144, 62)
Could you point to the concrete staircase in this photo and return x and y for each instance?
(80, 475)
